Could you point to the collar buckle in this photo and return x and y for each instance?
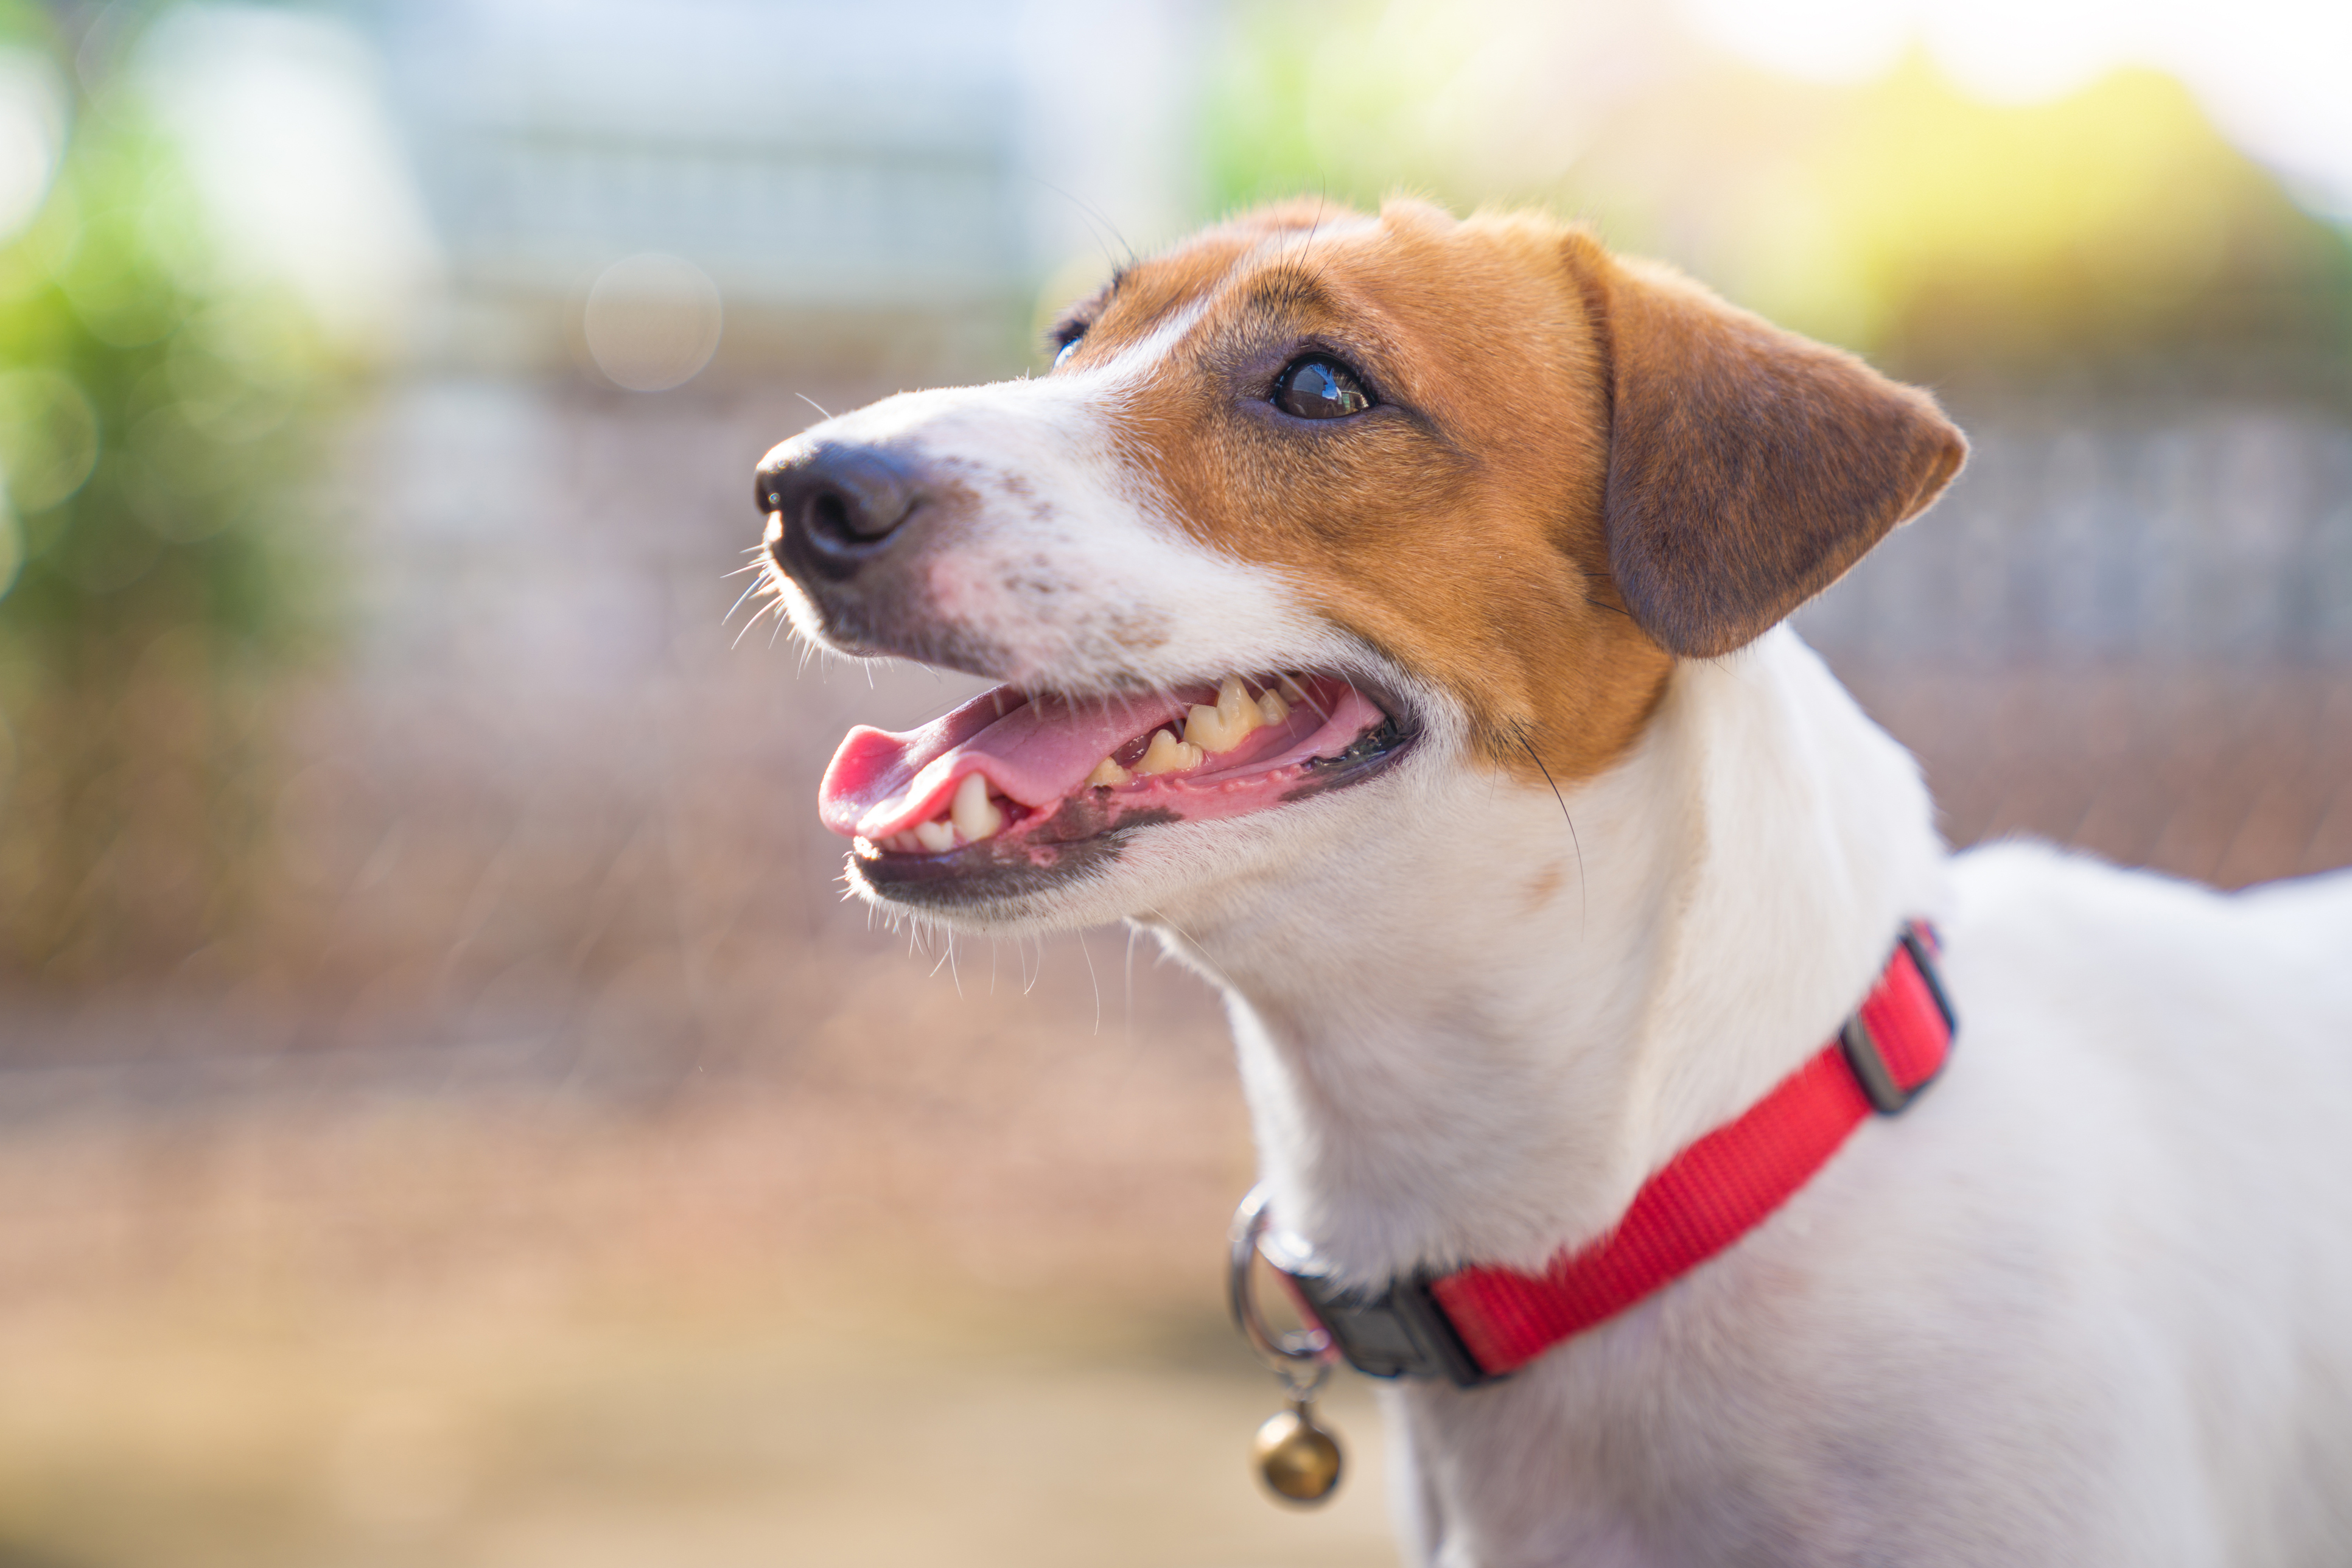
(1400, 1332)
(1885, 1092)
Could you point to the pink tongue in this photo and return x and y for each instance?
(880, 783)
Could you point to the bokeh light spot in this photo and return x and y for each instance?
(652, 321)
(32, 135)
(12, 563)
(1815, 40)
(48, 438)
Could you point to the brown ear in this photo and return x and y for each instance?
(1747, 467)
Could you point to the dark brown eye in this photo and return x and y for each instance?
(1317, 387)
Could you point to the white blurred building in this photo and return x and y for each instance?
(458, 175)
(819, 163)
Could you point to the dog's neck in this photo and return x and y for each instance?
(1475, 1035)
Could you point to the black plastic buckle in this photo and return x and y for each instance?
(1887, 1097)
(1400, 1332)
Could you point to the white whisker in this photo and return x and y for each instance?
(737, 605)
(1133, 932)
(1093, 980)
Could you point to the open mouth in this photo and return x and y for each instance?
(1014, 778)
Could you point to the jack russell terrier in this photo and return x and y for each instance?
(1387, 611)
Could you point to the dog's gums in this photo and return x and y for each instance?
(1025, 769)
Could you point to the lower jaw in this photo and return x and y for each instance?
(1009, 874)
(1082, 840)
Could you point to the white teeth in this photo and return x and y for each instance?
(971, 816)
(1167, 754)
(1229, 724)
(973, 813)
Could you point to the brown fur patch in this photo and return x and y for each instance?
(1463, 527)
(1747, 467)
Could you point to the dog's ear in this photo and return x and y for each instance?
(1747, 467)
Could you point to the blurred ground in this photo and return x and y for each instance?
(848, 1418)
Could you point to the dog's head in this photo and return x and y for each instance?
(1314, 514)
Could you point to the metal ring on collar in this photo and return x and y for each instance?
(1301, 1357)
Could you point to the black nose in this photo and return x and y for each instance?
(838, 504)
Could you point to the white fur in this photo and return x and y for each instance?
(2088, 1302)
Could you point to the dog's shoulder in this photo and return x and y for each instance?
(2208, 1005)
(2063, 912)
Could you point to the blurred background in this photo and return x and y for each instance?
(447, 1116)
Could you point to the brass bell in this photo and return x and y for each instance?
(1298, 1459)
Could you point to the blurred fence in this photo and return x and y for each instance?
(2127, 629)
(2176, 538)
(551, 817)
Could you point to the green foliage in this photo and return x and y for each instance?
(159, 416)
(1348, 101)
(2112, 227)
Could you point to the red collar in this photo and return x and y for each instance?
(1476, 1324)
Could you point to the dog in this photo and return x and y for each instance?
(1388, 614)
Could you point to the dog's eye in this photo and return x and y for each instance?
(1069, 338)
(1319, 387)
